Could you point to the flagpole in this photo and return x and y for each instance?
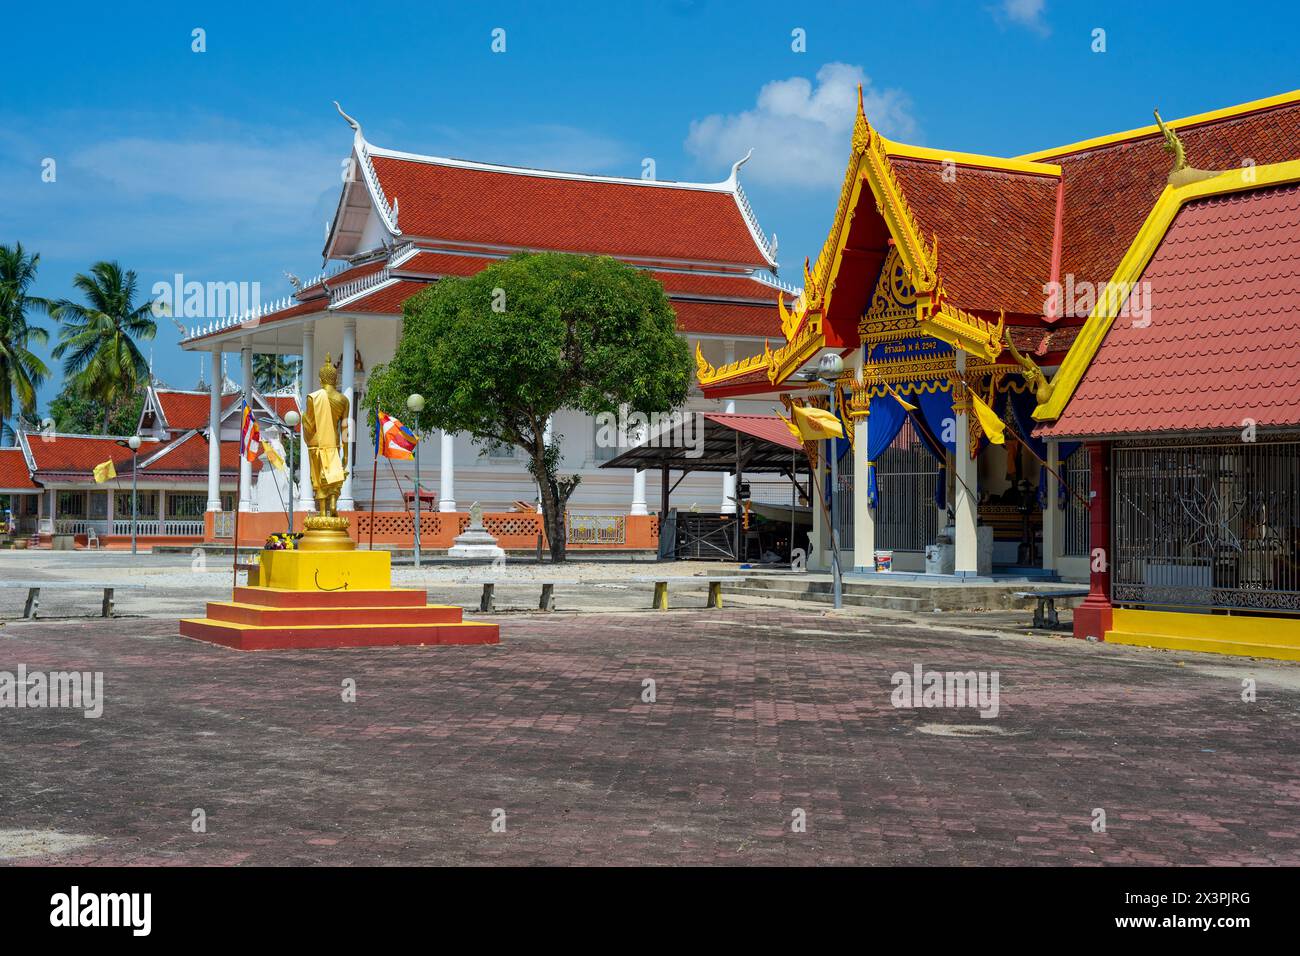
(239, 490)
(374, 475)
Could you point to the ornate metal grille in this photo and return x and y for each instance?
(844, 502)
(1075, 471)
(1207, 526)
(906, 516)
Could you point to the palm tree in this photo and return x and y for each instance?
(97, 341)
(272, 372)
(21, 372)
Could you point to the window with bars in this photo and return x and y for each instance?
(186, 505)
(146, 504)
(1207, 526)
(71, 504)
(1076, 472)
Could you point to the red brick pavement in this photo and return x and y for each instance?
(752, 720)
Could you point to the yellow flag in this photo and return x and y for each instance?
(794, 429)
(989, 421)
(816, 423)
(899, 398)
(272, 449)
(104, 471)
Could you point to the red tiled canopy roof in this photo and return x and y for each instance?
(525, 210)
(13, 470)
(1223, 344)
(187, 458)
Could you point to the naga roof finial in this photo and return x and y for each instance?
(1173, 144)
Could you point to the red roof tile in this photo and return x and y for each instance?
(185, 410)
(715, 286)
(1223, 344)
(767, 427)
(13, 470)
(79, 454)
(994, 230)
(729, 318)
(529, 211)
(1110, 189)
(188, 457)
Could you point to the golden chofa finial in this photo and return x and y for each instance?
(329, 375)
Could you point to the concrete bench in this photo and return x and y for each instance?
(1045, 615)
(34, 589)
(660, 600)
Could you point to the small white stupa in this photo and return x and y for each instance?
(476, 544)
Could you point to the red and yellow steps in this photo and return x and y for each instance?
(293, 608)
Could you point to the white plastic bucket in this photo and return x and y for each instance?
(884, 561)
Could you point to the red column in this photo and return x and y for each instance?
(1092, 618)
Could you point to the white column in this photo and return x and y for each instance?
(864, 522)
(447, 464)
(305, 502)
(1052, 517)
(638, 479)
(162, 508)
(348, 387)
(729, 480)
(964, 468)
(246, 466)
(214, 435)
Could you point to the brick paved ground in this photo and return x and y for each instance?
(758, 713)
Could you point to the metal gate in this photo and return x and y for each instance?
(1207, 526)
(844, 502)
(906, 516)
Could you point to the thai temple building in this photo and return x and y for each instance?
(405, 220)
(1127, 307)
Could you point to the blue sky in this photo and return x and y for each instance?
(224, 165)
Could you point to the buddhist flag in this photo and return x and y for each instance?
(393, 439)
(105, 471)
(815, 424)
(250, 436)
(989, 421)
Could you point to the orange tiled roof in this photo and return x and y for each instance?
(524, 210)
(13, 470)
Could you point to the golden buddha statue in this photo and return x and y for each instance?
(325, 430)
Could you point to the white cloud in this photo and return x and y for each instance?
(1026, 13)
(799, 130)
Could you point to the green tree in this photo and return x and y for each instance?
(496, 354)
(74, 411)
(21, 371)
(271, 372)
(97, 341)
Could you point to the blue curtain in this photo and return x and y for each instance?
(931, 444)
(884, 421)
(1022, 409)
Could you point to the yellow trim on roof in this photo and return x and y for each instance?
(1130, 268)
(908, 151)
(1228, 112)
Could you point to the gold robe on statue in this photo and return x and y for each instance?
(323, 441)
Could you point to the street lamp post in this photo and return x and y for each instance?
(828, 370)
(415, 403)
(292, 418)
(133, 443)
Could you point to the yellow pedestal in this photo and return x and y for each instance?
(325, 570)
